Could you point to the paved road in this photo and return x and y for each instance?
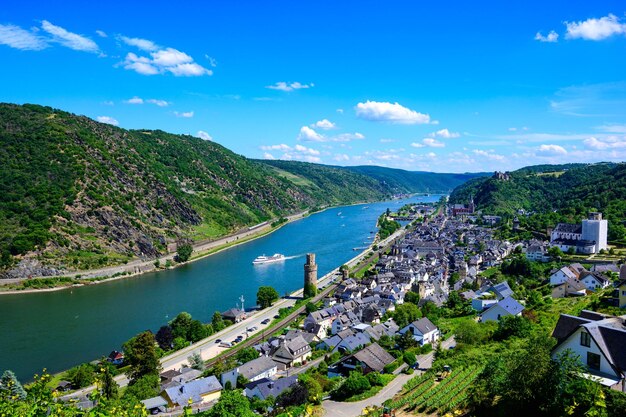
(339, 409)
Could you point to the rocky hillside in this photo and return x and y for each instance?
(77, 194)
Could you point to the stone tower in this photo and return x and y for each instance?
(310, 276)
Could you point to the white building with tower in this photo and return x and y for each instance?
(588, 237)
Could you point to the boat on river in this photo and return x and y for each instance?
(277, 257)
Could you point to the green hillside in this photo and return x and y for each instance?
(75, 193)
(78, 194)
(555, 193)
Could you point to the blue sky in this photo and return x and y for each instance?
(446, 87)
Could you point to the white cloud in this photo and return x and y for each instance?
(108, 120)
(551, 150)
(304, 149)
(295, 153)
(289, 86)
(445, 133)
(341, 157)
(134, 100)
(488, 154)
(551, 37)
(69, 39)
(512, 129)
(203, 135)
(595, 29)
(108, 103)
(185, 114)
(308, 134)
(347, 137)
(267, 155)
(389, 112)
(102, 34)
(612, 128)
(324, 124)
(161, 60)
(18, 38)
(430, 142)
(387, 140)
(143, 44)
(212, 61)
(281, 147)
(340, 111)
(610, 142)
(160, 103)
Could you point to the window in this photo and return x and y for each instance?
(593, 360)
(585, 339)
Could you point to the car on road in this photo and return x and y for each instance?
(218, 340)
(276, 316)
(225, 345)
(265, 321)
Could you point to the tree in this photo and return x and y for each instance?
(197, 331)
(83, 376)
(412, 297)
(406, 341)
(195, 361)
(145, 387)
(165, 337)
(470, 332)
(508, 326)
(141, 354)
(555, 252)
(232, 403)
(296, 395)
(406, 313)
(108, 384)
(355, 384)
(247, 354)
(183, 253)
(266, 296)
(310, 307)
(313, 387)
(11, 388)
(217, 321)
(181, 325)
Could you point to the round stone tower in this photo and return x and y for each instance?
(310, 276)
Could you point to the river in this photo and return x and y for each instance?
(58, 330)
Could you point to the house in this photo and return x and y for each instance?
(203, 390)
(234, 314)
(264, 388)
(501, 290)
(506, 307)
(559, 276)
(344, 321)
(598, 340)
(259, 368)
(155, 405)
(64, 386)
(594, 281)
(353, 342)
(481, 304)
(537, 251)
(569, 288)
(371, 358)
(116, 358)
(291, 353)
(423, 331)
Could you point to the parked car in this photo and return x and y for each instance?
(225, 345)
(218, 340)
(265, 321)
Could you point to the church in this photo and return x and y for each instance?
(587, 237)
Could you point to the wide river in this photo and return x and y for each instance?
(57, 330)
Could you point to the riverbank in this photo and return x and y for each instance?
(138, 267)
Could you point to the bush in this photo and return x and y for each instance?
(355, 384)
(184, 252)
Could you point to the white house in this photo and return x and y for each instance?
(505, 307)
(594, 282)
(598, 341)
(259, 368)
(423, 331)
(562, 275)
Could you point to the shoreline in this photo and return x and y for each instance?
(205, 249)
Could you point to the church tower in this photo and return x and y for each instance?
(310, 276)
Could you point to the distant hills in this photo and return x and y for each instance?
(555, 193)
(78, 194)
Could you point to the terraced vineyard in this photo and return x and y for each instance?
(423, 395)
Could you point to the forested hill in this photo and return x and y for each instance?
(555, 193)
(76, 194)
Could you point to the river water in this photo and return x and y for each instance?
(57, 330)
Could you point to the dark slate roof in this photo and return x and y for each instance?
(592, 315)
(268, 387)
(569, 228)
(374, 357)
(566, 325)
(424, 325)
(615, 341)
(503, 289)
(154, 402)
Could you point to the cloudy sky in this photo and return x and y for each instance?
(447, 87)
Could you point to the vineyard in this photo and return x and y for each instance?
(423, 395)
